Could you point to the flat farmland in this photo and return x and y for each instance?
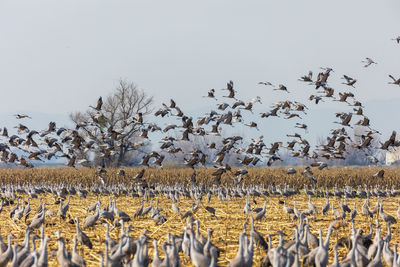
(159, 187)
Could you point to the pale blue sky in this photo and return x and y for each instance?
(59, 56)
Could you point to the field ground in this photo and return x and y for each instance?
(229, 212)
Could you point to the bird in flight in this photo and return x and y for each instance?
(368, 62)
(379, 174)
(397, 39)
(395, 81)
(349, 81)
(281, 87)
(211, 94)
(266, 83)
(307, 78)
(22, 116)
(98, 105)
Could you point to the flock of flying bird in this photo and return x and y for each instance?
(29, 145)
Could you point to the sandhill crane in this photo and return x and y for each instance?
(175, 208)
(349, 81)
(321, 257)
(98, 105)
(386, 251)
(257, 237)
(374, 246)
(301, 126)
(15, 208)
(395, 81)
(368, 62)
(231, 93)
(376, 261)
(188, 213)
(325, 208)
(260, 214)
(345, 207)
(14, 262)
(198, 258)
(210, 94)
(22, 116)
(138, 177)
(239, 258)
(19, 213)
(38, 221)
(208, 245)
(379, 174)
(7, 255)
(90, 221)
(214, 257)
(75, 257)
(43, 258)
(296, 210)
(353, 213)
(156, 258)
(148, 209)
(139, 211)
(386, 217)
(223, 106)
(247, 206)
(81, 236)
(307, 78)
(93, 207)
(266, 83)
(311, 206)
(338, 214)
(291, 171)
(365, 210)
(287, 210)
(252, 125)
(62, 211)
(63, 256)
(281, 87)
(346, 120)
(211, 210)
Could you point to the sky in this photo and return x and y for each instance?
(60, 56)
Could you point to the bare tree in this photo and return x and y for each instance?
(113, 131)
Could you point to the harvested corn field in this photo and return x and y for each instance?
(168, 202)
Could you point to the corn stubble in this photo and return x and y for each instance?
(227, 225)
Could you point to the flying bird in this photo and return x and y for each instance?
(395, 81)
(210, 94)
(22, 116)
(397, 39)
(281, 87)
(368, 62)
(349, 81)
(99, 104)
(379, 174)
(138, 177)
(266, 83)
(307, 78)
